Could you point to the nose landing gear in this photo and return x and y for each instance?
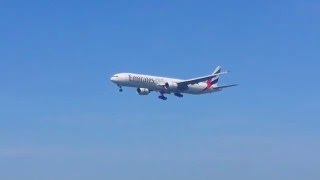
(120, 88)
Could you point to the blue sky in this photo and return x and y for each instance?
(61, 117)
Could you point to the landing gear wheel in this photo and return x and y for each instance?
(162, 97)
(120, 90)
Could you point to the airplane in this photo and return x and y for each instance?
(147, 83)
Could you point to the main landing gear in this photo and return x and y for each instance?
(165, 98)
(162, 96)
(178, 95)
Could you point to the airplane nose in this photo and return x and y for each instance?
(114, 79)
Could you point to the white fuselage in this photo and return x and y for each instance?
(155, 83)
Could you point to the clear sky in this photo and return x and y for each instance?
(61, 117)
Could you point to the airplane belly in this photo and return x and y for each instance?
(147, 85)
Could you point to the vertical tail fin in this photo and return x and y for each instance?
(217, 70)
(214, 81)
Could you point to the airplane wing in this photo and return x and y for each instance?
(199, 79)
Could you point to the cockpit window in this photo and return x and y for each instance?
(115, 76)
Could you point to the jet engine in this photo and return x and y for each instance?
(171, 86)
(143, 91)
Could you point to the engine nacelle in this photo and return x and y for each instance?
(143, 91)
(171, 86)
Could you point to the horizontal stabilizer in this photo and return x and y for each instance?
(222, 87)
